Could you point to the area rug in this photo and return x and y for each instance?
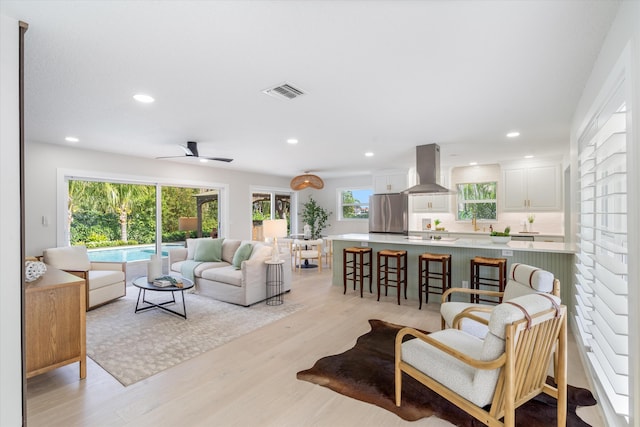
(366, 373)
(133, 346)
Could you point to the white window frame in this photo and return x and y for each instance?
(495, 201)
(339, 204)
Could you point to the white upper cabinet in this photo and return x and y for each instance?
(429, 203)
(534, 189)
(390, 183)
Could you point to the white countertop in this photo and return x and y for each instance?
(480, 243)
(484, 233)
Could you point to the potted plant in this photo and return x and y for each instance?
(501, 236)
(438, 222)
(315, 216)
(531, 217)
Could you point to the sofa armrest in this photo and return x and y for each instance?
(101, 265)
(178, 254)
(254, 271)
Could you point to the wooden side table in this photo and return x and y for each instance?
(55, 328)
(275, 282)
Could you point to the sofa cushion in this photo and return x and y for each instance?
(209, 250)
(101, 278)
(242, 254)
(73, 258)
(228, 275)
(260, 251)
(229, 248)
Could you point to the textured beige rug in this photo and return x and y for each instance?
(133, 346)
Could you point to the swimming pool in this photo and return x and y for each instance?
(128, 254)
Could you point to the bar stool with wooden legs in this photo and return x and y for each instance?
(392, 272)
(488, 281)
(354, 269)
(427, 275)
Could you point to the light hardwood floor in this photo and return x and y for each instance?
(250, 381)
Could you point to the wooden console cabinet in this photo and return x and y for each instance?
(55, 328)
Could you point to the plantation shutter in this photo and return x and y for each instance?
(601, 263)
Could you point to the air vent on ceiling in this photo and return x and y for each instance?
(284, 91)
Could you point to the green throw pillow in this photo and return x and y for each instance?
(242, 254)
(209, 250)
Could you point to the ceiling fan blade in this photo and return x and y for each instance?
(192, 147)
(219, 159)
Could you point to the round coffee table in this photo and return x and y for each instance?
(144, 285)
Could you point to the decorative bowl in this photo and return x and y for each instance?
(500, 239)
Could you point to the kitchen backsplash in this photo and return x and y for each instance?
(545, 222)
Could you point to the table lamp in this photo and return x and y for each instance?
(274, 228)
(187, 223)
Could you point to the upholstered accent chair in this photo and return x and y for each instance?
(105, 281)
(473, 318)
(306, 250)
(504, 370)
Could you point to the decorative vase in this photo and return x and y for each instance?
(154, 268)
(530, 227)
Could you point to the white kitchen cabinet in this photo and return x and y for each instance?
(390, 183)
(425, 203)
(532, 189)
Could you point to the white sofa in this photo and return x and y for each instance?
(221, 279)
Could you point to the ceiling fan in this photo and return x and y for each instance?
(191, 150)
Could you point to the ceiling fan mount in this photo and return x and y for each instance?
(191, 150)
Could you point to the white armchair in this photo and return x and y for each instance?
(105, 281)
(473, 318)
(505, 370)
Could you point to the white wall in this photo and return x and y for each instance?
(10, 262)
(44, 160)
(327, 198)
(624, 34)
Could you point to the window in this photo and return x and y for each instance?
(477, 199)
(353, 203)
(602, 278)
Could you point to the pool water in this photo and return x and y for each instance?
(128, 254)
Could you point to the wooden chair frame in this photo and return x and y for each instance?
(528, 350)
(486, 308)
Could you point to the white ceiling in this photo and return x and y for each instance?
(381, 76)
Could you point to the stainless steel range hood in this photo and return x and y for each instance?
(428, 171)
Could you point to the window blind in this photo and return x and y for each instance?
(601, 297)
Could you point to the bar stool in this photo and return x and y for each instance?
(356, 266)
(426, 275)
(477, 279)
(398, 269)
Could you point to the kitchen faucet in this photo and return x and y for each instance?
(474, 222)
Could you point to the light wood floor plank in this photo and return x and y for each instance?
(250, 381)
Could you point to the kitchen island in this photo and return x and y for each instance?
(555, 257)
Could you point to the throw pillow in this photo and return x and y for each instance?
(242, 254)
(209, 250)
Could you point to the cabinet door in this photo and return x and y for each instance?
(397, 183)
(515, 193)
(390, 183)
(439, 203)
(543, 188)
(420, 203)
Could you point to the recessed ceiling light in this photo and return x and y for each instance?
(513, 134)
(292, 141)
(368, 154)
(71, 139)
(529, 156)
(204, 160)
(473, 163)
(141, 97)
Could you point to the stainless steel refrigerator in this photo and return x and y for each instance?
(388, 213)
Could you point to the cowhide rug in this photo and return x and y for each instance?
(366, 373)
